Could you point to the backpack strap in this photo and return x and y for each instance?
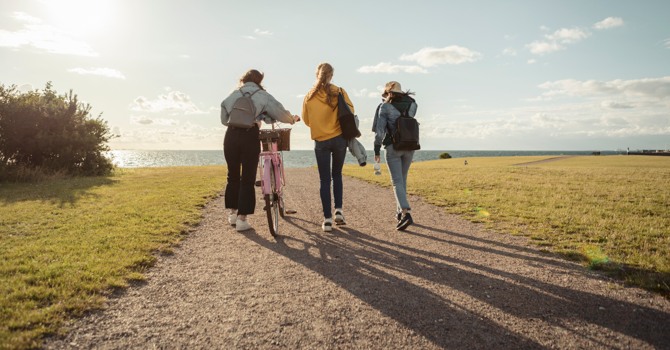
(339, 91)
(404, 113)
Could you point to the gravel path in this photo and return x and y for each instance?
(444, 283)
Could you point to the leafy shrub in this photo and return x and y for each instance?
(41, 131)
(445, 155)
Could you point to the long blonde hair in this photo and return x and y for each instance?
(324, 73)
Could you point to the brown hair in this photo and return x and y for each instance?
(253, 76)
(324, 73)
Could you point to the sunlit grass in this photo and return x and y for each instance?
(65, 244)
(611, 212)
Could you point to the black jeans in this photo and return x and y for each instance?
(241, 148)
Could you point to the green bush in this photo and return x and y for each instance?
(45, 133)
(445, 155)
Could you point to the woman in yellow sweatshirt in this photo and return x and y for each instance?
(319, 112)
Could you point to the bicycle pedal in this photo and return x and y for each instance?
(290, 211)
(257, 183)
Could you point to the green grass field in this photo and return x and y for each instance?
(611, 212)
(66, 244)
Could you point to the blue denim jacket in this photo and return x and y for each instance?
(384, 123)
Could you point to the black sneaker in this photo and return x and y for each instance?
(405, 221)
(399, 216)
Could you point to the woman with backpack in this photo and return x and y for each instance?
(242, 112)
(319, 112)
(398, 158)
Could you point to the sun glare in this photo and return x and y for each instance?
(82, 17)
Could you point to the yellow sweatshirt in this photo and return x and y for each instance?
(322, 118)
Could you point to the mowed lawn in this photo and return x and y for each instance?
(611, 212)
(67, 244)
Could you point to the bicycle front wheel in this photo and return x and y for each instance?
(272, 204)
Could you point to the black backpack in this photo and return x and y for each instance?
(406, 135)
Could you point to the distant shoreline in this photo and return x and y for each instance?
(650, 153)
(302, 158)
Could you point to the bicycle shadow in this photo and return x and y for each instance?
(409, 285)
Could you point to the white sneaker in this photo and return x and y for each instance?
(232, 219)
(242, 225)
(339, 217)
(327, 225)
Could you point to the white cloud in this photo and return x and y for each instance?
(609, 22)
(154, 134)
(105, 72)
(43, 37)
(616, 105)
(544, 47)
(385, 67)
(453, 54)
(173, 102)
(144, 120)
(568, 35)
(545, 122)
(260, 32)
(666, 43)
(141, 120)
(509, 52)
(651, 88)
(369, 94)
(557, 40)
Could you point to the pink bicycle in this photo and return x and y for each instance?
(271, 172)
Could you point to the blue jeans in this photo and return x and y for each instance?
(398, 163)
(335, 149)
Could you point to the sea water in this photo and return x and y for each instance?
(297, 158)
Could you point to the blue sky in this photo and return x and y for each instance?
(488, 75)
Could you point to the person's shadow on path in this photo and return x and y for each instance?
(363, 266)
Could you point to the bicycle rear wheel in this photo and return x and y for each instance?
(282, 208)
(272, 205)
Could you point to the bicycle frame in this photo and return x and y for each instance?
(271, 172)
(271, 160)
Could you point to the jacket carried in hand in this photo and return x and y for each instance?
(357, 149)
(265, 104)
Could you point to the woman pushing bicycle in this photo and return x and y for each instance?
(242, 112)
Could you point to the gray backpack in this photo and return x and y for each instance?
(243, 114)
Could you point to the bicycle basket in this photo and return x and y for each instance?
(282, 136)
